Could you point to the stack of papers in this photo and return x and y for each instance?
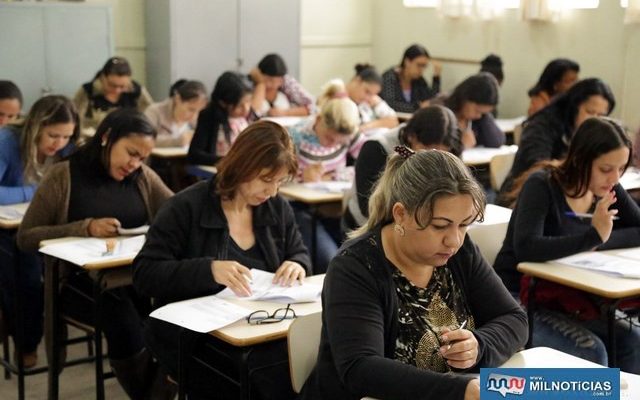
(263, 289)
(204, 314)
(329, 186)
(83, 251)
(605, 263)
(13, 211)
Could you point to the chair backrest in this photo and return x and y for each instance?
(489, 239)
(303, 340)
(499, 168)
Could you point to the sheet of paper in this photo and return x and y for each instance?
(605, 263)
(204, 314)
(329, 186)
(263, 289)
(13, 211)
(140, 230)
(91, 250)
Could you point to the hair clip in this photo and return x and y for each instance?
(404, 151)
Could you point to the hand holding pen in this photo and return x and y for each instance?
(603, 217)
(460, 347)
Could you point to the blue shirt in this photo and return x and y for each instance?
(12, 187)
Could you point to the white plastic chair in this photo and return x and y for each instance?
(499, 168)
(303, 341)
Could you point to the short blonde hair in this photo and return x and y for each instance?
(337, 110)
(417, 182)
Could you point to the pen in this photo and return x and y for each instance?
(461, 327)
(583, 215)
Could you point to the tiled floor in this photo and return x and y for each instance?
(76, 382)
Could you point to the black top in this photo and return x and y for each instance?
(420, 91)
(250, 258)
(360, 325)
(487, 132)
(94, 194)
(191, 231)
(97, 101)
(539, 230)
(544, 137)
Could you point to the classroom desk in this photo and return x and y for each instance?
(243, 337)
(202, 171)
(12, 221)
(106, 275)
(286, 121)
(404, 116)
(482, 155)
(545, 357)
(600, 284)
(170, 152)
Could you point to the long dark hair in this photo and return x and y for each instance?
(481, 88)
(118, 124)
(433, 125)
(595, 137)
(115, 66)
(552, 74)
(566, 106)
(412, 52)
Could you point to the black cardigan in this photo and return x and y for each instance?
(191, 231)
(539, 230)
(360, 325)
(420, 91)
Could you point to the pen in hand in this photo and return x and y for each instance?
(464, 323)
(583, 215)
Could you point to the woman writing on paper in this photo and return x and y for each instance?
(209, 236)
(544, 227)
(404, 301)
(176, 117)
(27, 151)
(324, 144)
(103, 186)
(434, 127)
(363, 89)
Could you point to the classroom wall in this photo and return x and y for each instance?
(336, 34)
(128, 30)
(597, 39)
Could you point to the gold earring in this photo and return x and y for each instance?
(399, 229)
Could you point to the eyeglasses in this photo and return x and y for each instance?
(263, 317)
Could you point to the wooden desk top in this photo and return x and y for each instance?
(483, 155)
(107, 264)
(13, 223)
(600, 284)
(170, 152)
(507, 125)
(298, 192)
(403, 116)
(241, 334)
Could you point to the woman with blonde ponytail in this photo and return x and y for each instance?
(404, 302)
(323, 144)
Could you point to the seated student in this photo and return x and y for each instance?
(102, 187)
(434, 127)
(176, 117)
(542, 228)
(209, 235)
(228, 113)
(404, 303)
(276, 93)
(556, 78)
(10, 102)
(404, 88)
(26, 152)
(472, 101)
(493, 65)
(323, 144)
(110, 89)
(546, 135)
(363, 89)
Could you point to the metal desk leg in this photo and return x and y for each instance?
(97, 303)
(54, 367)
(531, 309)
(611, 325)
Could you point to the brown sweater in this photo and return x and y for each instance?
(47, 218)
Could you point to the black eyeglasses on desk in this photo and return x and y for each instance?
(279, 315)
